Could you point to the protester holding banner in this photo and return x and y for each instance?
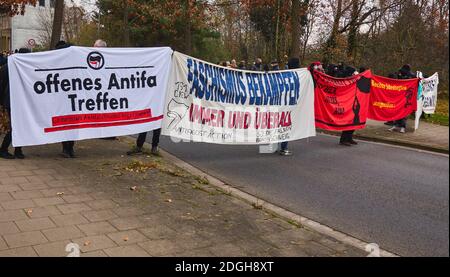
(341, 104)
(6, 104)
(394, 99)
(293, 63)
(404, 73)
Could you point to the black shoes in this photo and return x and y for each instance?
(285, 153)
(68, 154)
(6, 155)
(140, 151)
(345, 143)
(19, 155)
(155, 151)
(135, 151)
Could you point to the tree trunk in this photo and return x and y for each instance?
(296, 29)
(353, 31)
(57, 23)
(126, 28)
(331, 42)
(188, 28)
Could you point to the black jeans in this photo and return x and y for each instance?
(143, 136)
(347, 136)
(284, 146)
(68, 146)
(8, 138)
(401, 123)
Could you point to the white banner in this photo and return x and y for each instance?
(430, 93)
(82, 93)
(213, 104)
(427, 98)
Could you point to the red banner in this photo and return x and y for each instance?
(392, 99)
(341, 104)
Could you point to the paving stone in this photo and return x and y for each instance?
(73, 208)
(88, 244)
(35, 224)
(9, 188)
(158, 232)
(53, 249)
(227, 250)
(7, 228)
(26, 195)
(17, 204)
(20, 173)
(3, 245)
(25, 239)
(95, 254)
(43, 211)
(13, 215)
(97, 228)
(69, 219)
(77, 198)
(53, 192)
(49, 201)
(14, 181)
(127, 251)
(33, 186)
(62, 233)
(48, 171)
(127, 237)
(102, 215)
(19, 252)
(60, 183)
(5, 196)
(39, 179)
(102, 204)
(128, 211)
(161, 248)
(127, 223)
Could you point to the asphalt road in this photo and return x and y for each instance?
(395, 197)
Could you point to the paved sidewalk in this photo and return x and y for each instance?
(114, 205)
(429, 136)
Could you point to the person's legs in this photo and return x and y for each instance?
(155, 141)
(68, 151)
(18, 153)
(284, 149)
(346, 137)
(139, 144)
(5, 145)
(399, 125)
(141, 140)
(7, 141)
(402, 124)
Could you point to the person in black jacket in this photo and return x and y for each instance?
(6, 104)
(403, 73)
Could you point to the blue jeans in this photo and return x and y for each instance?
(284, 146)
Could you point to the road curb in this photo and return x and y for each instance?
(273, 209)
(392, 142)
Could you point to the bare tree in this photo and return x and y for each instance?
(57, 23)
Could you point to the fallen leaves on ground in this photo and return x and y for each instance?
(139, 167)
